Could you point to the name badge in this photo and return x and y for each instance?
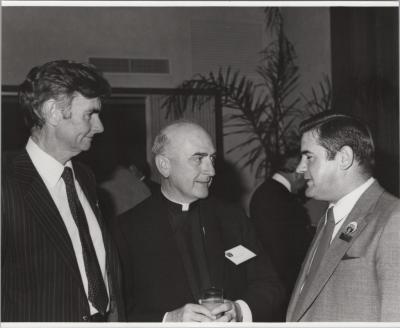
(239, 254)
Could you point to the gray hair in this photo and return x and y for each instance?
(160, 142)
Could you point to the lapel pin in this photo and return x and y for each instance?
(349, 230)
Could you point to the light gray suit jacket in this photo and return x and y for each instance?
(359, 277)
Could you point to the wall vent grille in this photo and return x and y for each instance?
(133, 65)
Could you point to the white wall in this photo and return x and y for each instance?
(35, 35)
(309, 30)
(31, 36)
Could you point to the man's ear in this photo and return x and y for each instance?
(51, 112)
(163, 165)
(346, 158)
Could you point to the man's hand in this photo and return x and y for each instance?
(190, 312)
(229, 311)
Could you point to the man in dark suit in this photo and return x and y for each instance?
(281, 221)
(352, 269)
(179, 242)
(58, 263)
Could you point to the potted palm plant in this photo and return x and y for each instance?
(262, 113)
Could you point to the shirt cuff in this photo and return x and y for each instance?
(246, 312)
(165, 317)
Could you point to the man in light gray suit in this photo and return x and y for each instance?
(352, 269)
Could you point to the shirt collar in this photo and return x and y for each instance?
(281, 179)
(48, 167)
(185, 206)
(343, 206)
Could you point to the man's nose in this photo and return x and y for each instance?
(301, 167)
(97, 126)
(209, 167)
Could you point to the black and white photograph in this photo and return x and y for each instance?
(223, 162)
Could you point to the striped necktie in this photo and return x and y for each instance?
(97, 292)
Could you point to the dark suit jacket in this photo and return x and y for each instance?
(40, 279)
(154, 271)
(359, 276)
(283, 228)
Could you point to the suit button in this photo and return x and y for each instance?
(85, 318)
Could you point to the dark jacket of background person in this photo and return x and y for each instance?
(40, 275)
(283, 228)
(156, 280)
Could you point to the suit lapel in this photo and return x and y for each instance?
(214, 250)
(161, 204)
(360, 214)
(213, 243)
(44, 211)
(293, 306)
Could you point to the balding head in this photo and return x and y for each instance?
(173, 134)
(184, 156)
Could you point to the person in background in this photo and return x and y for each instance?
(141, 168)
(352, 269)
(180, 241)
(123, 190)
(282, 223)
(58, 262)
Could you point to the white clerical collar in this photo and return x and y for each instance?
(343, 206)
(185, 206)
(48, 167)
(282, 180)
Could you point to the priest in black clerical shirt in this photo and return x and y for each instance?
(180, 241)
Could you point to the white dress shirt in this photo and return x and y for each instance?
(343, 206)
(50, 171)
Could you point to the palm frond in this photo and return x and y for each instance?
(319, 101)
(273, 18)
(263, 114)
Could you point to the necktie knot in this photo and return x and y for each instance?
(330, 224)
(67, 176)
(330, 217)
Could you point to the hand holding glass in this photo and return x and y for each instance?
(212, 298)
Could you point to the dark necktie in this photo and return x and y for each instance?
(96, 286)
(322, 247)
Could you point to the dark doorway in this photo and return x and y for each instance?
(123, 140)
(14, 133)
